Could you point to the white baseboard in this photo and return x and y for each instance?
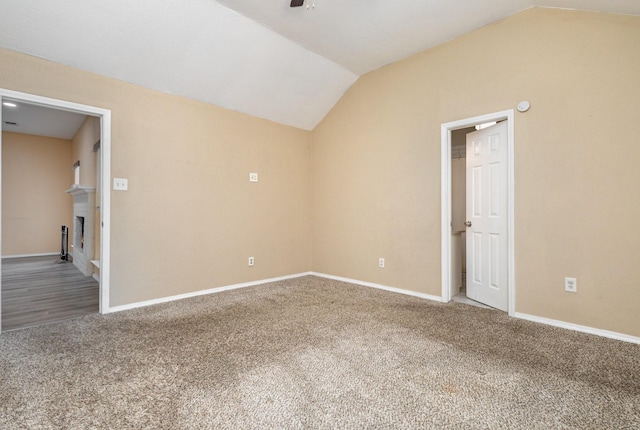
(541, 320)
(577, 327)
(42, 254)
(201, 293)
(533, 318)
(379, 286)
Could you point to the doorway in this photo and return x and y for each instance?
(449, 246)
(103, 181)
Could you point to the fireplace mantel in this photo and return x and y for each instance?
(78, 190)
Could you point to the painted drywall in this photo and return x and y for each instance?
(190, 218)
(458, 194)
(82, 150)
(458, 217)
(376, 163)
(35, 174)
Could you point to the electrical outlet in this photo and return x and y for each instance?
(381, 262)
(120, 184)
(253, 177)
(251, 261)
(571, 285)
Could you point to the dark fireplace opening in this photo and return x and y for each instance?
(81, 228)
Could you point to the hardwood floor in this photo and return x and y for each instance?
(38, 290)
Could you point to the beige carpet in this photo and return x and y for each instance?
(314, 353)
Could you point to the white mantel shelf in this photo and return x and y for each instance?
(77, 190)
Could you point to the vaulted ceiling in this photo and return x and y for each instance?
(260, 57)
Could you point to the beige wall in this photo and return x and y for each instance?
(82, 150)
(190, 218)
(458, 194)
(35, 174)
(376, 184)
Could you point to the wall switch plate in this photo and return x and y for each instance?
(381, 262)
(253, 177)
(120, 184)
(251, 261)
(571, 285)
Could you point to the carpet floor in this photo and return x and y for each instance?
(314, 353)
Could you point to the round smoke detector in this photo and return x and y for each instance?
(524, 106)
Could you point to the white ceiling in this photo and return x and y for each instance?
(260, 57)
(40, 121)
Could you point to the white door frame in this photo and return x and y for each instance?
(105, 196)
(445, 202)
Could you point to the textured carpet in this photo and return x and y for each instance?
(314, 353)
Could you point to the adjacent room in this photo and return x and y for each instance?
(321, 214)
(46, 215)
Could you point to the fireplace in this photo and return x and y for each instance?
(83, 227)
(79, 230)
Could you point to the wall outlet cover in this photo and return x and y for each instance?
(571, 285)
(120, 184)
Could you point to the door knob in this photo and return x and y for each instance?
(468, 223)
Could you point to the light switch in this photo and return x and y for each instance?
(120, 184)
(253, 177)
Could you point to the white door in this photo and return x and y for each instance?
(487, 256)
